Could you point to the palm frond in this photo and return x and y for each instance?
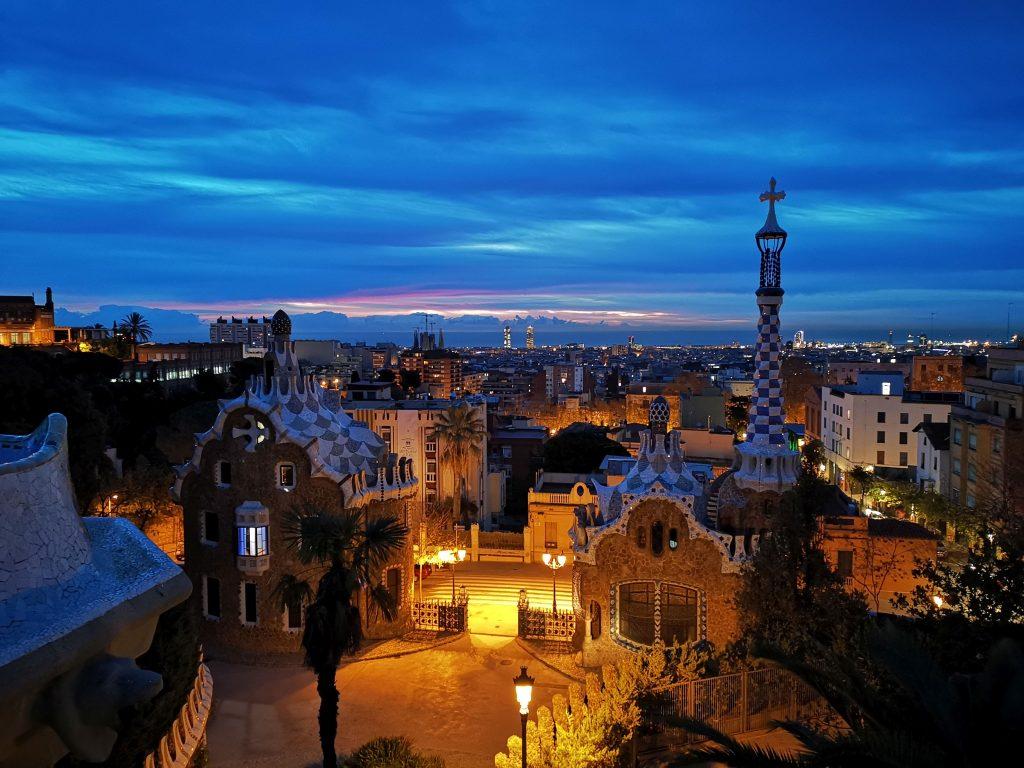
(380, 598)
(291, 590)
(730, 751)
(383, 538)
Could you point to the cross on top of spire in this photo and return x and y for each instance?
(771, 237)
(771, 195)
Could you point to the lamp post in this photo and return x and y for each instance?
(554, 562)
(524, 692)
(453, 556)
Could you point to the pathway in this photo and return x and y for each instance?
(456, 701)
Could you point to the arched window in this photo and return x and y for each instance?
(673, 539)
(651, 609)
(657, 538)
(678, 614)
(641, 537)
(636, 611)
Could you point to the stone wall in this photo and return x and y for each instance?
(253, 478)
(695, 563)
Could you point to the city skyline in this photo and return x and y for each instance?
(322, 173)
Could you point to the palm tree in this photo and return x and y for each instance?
(917, 717)
(136, 328)
(347, 550)
(459, 433)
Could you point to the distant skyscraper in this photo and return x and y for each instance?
(529, 337)
(508, 337)
(798, 340)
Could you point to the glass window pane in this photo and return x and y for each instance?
(678, 614)
(636, 612)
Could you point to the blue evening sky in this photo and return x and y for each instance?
(595, 161)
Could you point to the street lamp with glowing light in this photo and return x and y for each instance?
(524, 692)
(554, 562)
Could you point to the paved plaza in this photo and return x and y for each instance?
(456, 701)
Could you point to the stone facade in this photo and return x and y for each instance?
(627, 556)
(254, 477)
(276, 449)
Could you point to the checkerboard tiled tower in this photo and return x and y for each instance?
(764, 461)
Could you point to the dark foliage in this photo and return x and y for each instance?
(579, 452)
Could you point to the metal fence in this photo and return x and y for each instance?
(540, 624)
(440, 615)
(736, 703)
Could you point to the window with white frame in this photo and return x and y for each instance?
(249, 608)
(211, 597)
(252, 540)
(210, 528)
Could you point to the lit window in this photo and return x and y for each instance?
(886, 388)
(252, 541)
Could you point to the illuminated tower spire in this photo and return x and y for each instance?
(764, 461)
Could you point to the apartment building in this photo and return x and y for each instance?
(986, 442)
(871, 423)
(406, 427)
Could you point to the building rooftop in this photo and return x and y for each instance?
(937, 433)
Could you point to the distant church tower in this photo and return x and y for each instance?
(765, 462)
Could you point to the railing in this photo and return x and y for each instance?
(737, 703)
(440, 615)
(188, 731)
(541, 624)
(501, 540)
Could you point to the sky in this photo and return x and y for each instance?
(594, 162)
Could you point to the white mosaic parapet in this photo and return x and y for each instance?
(79, 601)
(34, 478)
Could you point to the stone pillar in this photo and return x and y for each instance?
(474, 542)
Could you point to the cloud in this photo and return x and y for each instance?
(477, 159)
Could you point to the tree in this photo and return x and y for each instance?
(812, 457)
(347, 549)
(209, 385)
(409, 380)
(459, 433)
(391, 752)
(594, 727)
(961, 609)
(579, 452)
(241, 371)
(136, 328)
(790, 598)
(798, 376)
(737, 414)
(881, 558)
(921, 717)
